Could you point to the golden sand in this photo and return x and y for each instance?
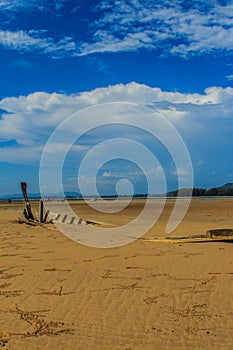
(58, 294)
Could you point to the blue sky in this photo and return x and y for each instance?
(58, 57)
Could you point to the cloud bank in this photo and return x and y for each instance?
(26, 122)
(11, 7)
(176, 27)
(203, 120)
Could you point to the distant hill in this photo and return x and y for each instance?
(227, 186)
(224, 190)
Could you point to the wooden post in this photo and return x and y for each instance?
(27, 204)
(41, 211)
(46, 215)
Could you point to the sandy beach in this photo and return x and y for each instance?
(58, 294)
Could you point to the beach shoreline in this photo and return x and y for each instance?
(58, 294)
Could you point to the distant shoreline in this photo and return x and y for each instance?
(20, 200)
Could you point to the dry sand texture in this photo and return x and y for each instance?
(57, 294)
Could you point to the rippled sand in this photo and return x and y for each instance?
(58, 294)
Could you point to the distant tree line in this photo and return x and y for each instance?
(200, 192)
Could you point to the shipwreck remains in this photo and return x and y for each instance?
(50, 217)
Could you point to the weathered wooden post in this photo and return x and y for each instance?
(46, 215)
(27, 204)
(41, 211)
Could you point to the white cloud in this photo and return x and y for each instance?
(143, 94)
(106, 42)
(174, 27)
(31, 119)
(111, 174)
(9, 6)
(180, 172)
(229, 77)
(14, 5)
(36, 41)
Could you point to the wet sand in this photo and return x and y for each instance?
(58, 294)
